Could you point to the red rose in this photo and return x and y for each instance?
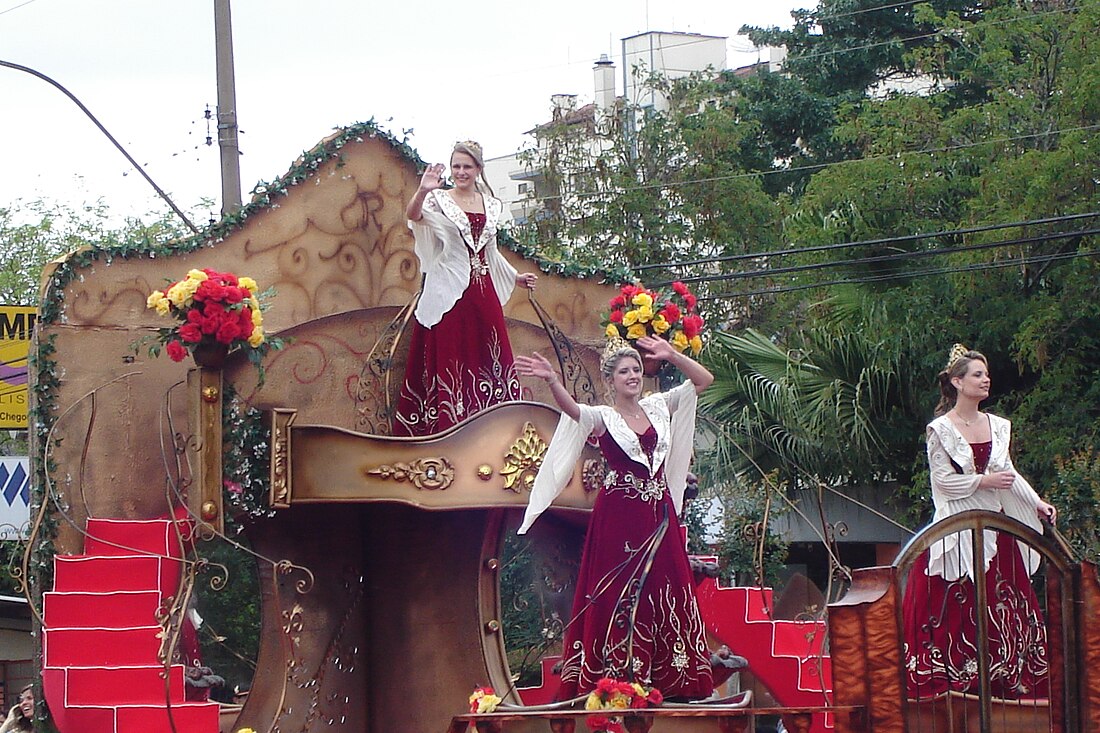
(615, 317)
(212, 316)
(191, 333)
(244, 322)
(655, 697)
(598, 722)
(617, 302)
(210, 290)
(607, 685)
(693, 325)
(690, 301)
(227, 332)
(680, 288)
(629, 291)
(233, 294)
(671, 312)
(175, 350)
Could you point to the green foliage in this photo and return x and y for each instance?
(1076, 493)
(230, 634)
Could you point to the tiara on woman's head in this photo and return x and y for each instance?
(472, 144)
(958, 351)
(614, 345)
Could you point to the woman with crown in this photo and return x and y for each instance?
(970, 467)
(635, 616)
(460, 359)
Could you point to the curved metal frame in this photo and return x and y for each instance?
(1053, 548)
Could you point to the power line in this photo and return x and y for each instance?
(974, 267)
(818, 166)
(880, 259)
(849, 49)
(870, 242)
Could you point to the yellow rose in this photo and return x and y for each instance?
(645, 313)
(643, 299)
(630, 317)
(660, 325)
(638, 689)
(679, 341)
(637, 331)
(154, 297)
(176, 294)
(163, 306)
(257, 337)
(487, 703)
(247, 283)
(620, 702)
(696, 345)
(197, 276)
(611, 331)
(593, 702)
(257, 317)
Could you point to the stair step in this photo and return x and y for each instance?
(83, 573)
(98, 686)
(798, 638)
(188, 717)
(87, 647)
(117, 610)
(134, 537)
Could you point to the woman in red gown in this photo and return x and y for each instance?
(460, 360)
(635, 616)
(970, 467)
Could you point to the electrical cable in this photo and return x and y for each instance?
(974, 267)
(878, 259)
(869, 242)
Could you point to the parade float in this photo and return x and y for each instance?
(382, 560)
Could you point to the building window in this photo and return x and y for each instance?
(522, 189)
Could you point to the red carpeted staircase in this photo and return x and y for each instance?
(101, 635)
(786, 656)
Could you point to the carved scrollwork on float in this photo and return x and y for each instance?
(523, 459)
(593, 471)
(281, 420)
(374, 391)
(432, 474)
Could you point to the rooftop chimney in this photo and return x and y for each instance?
(604, 73)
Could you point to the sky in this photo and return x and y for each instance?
(442, 70)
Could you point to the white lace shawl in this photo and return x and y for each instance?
(954, 492)
(440, 243)
(672, 414)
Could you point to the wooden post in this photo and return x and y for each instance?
(205, 494)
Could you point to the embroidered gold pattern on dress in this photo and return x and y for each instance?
(647, 489)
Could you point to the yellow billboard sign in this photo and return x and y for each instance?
(16, 326)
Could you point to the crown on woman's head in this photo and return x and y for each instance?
(471, 144)
(958, 351)
(614, 345)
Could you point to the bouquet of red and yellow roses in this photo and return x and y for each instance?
(637, 312)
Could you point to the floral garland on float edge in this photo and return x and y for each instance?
(618, 696)
(610, 695)
(637, 312)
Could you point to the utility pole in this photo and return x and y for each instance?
(227, 108)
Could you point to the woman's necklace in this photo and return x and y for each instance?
(966, 422)
(635, 416)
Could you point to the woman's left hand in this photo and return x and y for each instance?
(654, 347)
(527, 280)
(1047, 512)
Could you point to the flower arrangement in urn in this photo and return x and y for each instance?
(618, 697)
(637, 312)
(216, 313)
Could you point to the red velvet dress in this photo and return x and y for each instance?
(634, 565)
(940, 626)
(463, 364)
